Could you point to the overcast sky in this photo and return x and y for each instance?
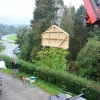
(21, 11)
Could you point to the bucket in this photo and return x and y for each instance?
(32, 79)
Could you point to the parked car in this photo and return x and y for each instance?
(16, 51)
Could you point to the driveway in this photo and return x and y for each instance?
(14, 89)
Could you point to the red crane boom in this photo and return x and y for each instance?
(93, 12)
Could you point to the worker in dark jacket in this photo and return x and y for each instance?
(15, 68)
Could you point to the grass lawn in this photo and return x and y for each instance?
(12, 37)
(43, 85)
(11, 42)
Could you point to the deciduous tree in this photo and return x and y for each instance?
(89, 58)
(53, 58)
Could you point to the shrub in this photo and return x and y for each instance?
(89, 58)
(63, 80)
(7, 60)
(53, 58)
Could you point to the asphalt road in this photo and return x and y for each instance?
(9, 47)
(13, 89)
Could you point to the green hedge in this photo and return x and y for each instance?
(7, 60)
(65, 81)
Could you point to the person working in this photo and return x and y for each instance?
(15, 68)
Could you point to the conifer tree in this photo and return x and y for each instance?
(43, 17)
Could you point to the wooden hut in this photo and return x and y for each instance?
(56, 37)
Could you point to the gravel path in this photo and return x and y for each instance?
(13, 89)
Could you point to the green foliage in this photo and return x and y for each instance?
(8, 71)
(90, 52)
(63, 80)
(50, 12)
(53, 58)
(12, 37)
(95, 32)
(80, 33)
(58, 6)
(74, 67)
(67, 22)
(24, 54)
(7, 29)
(23, 41)
(89, 58)
(7, 60)
(45, 14)
(22, 36)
